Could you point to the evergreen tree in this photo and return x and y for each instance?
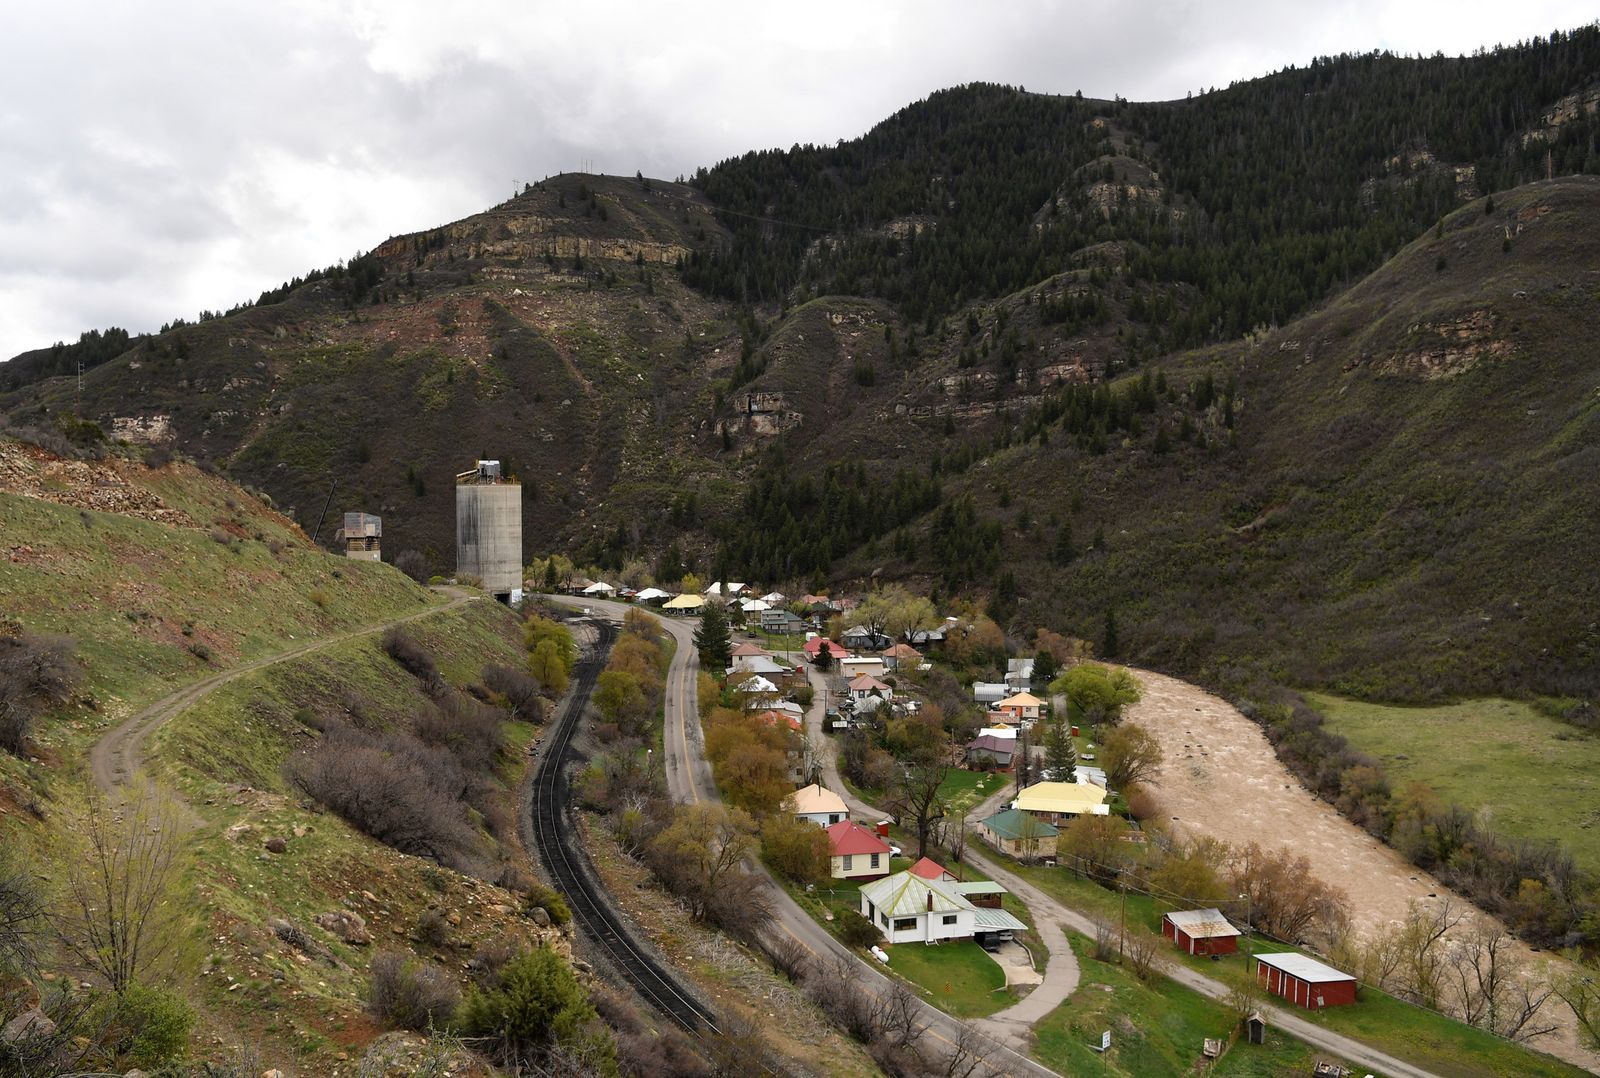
(1059, 754)
(1108, 641)
(1064, 551)
(712, 640)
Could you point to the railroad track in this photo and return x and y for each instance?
(554, 837)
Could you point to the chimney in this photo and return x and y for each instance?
(930, 900)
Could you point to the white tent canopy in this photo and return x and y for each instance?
(600, 587)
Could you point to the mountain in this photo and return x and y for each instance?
(1297, 366)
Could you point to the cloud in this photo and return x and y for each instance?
(166, 157)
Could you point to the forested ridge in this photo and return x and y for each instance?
(1266, 195)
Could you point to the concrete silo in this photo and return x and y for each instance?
(489, 530)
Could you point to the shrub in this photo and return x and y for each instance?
(856, 931)
(516, 691)
(433, 927)
(536, 1001)
(319, 598)
(413, 564)
(550, 900)
(394, 788)
(417, 660)
(220, 537)
(148, 1026)
(200, 651)
(406, 993)
(467, 729)
(36, 672)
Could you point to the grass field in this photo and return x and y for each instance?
(1534, 776)
(958, 978)
(1424, 1037)
(1156, 1026)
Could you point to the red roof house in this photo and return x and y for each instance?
(817, 643)
(858, 852)
(929, 869)
(1200, 931)
(749, 649)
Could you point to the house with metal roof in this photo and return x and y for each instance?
(1020, 834)
(1057, 802)
(908, 908)
(990, 692)
(1200, 931)
(1303, 980)
(1023, 707)
(857, 852)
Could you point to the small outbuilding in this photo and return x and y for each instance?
(1200, 932)
(1303, 980)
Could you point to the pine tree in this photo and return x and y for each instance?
(1108, 642)
(711, 639)
(1064, 551)
(1059, 754)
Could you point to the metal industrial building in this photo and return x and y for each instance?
(489, 530)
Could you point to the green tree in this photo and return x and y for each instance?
(622, 701)
(895, 612)
(712, 640)
(1097, 693)
(536, 1002)
(547, 666)
(797, 848)
(1063, 552)
(1132, 755)
(1059, 754)
(1045, 666)
(539, 630)
(1109, 645)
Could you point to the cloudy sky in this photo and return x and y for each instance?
(165, 156)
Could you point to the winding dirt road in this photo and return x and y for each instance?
(117, 757)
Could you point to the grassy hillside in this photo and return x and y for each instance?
(190, 575)
(1530, 775)
(176, 574)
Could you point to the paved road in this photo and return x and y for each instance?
(1012, 1024)
(118, 755)
(689, 780)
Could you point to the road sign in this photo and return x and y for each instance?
(1105, 1041)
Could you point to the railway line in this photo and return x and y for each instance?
(554, 839)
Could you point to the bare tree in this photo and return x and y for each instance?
(36, 672)
(1492, 985)
(701, 850)
(916, 798)
(1422, 951)
(1142, 946)
(22, 915)
(1580, 991)
(968, 1056)
(901, 1016)
(119, 922)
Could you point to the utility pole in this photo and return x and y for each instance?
(1122, 927)
(1249, 941)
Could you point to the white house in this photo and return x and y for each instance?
(866, 689)
(852, 665)
(754, 606)
(652, 595)
(909, 909)
(817, 804)
(757, 664)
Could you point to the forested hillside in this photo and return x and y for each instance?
(1069, 359)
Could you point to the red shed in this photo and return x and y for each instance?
(1305, 981)
(1200, 931)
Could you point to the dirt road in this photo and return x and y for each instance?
(117, 756)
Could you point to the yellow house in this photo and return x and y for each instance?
(1057, 802)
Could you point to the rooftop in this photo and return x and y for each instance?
(847, 836)
(1302, 966)
(906, 895)
(1070, 797)
(816, 798)
(1203, 924)
(1015, 824)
